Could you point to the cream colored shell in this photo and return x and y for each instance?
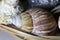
(8, 12)
(27, 22)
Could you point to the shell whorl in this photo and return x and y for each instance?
(27, 22)
(43, 22)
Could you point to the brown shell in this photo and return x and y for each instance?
(27, 22)
(43, 22)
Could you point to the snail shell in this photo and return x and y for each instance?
(56, 12)
(43, 22)
(27, 22)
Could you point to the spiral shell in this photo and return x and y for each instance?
(43, 22)
(56, 12)
(27, 22)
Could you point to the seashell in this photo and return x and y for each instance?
(43, 22)
(27, 22)
(9, 10)
(56, 12)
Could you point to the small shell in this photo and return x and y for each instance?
(27, 22)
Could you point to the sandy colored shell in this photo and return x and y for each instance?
(9, 10)
(43, 22)
(27, 22)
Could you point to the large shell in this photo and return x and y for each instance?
(43, 22)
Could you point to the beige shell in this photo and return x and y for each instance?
(8, 12)
(27, 22)
(43, 22)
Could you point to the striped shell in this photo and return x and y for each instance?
(27, 22)
(43, 22)
(56, 12)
